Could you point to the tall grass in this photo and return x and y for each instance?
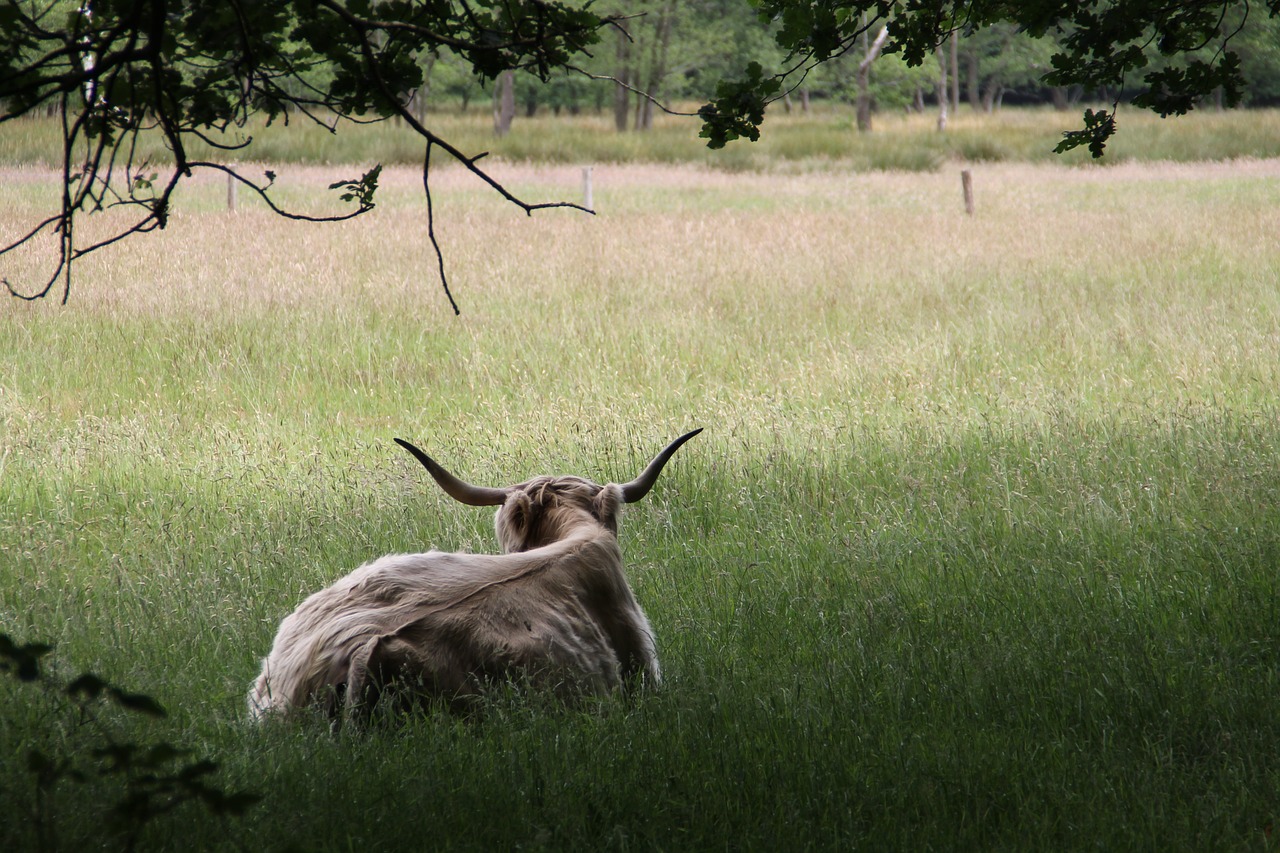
(978, 549)
(790, 141)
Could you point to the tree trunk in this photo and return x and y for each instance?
(657, 64)
(974, 83)
(864, 79)
(804, 101)
(621, 105)
(424, 91)
(990, 93)
(504, 102)
(650, 77)
(864, 109)
(943, 92)
(955, 72)
(1065, 97)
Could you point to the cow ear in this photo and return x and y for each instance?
(606, 504)
(514, 521)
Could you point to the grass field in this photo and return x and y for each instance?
(790, 142)
(979, 548)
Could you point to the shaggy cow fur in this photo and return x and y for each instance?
(553, 611)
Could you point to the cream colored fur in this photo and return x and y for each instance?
(554, 611)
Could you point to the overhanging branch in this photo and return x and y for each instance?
(149, 66)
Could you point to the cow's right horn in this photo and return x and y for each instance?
(459, 490)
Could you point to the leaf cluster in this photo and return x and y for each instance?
(360, 189)
(150, 780)
(1103, 43)
(738, 109)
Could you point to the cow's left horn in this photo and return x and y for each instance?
(459, 490)
(640, 486)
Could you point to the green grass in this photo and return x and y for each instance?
(792, 141)
(978, 549)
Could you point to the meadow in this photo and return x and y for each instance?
(978, 549)
(796, 141)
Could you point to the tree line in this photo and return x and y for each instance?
(676, 51)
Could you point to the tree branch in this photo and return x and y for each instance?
(431, 228)
(609, 78)
(140, 69)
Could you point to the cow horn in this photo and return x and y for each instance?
(640, 486)
(459, 490)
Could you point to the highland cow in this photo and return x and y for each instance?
(553, 612)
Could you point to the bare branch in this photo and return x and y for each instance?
(263, 193)
(608, 78)
(468, 162)
(874, 50)
(431, 228)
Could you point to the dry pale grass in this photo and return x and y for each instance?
(1025, 213)
(820, 298)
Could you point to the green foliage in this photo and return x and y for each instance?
(1258, 45)
(715, 40)
(360, 189)
(738, 108)
(1099, 126)
(145, 781)
(1094, 45)
(1174, 91)
(1006, 57)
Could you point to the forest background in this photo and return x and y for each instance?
(678, 50)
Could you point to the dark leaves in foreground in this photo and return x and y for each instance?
(150, 779)
(738, 108)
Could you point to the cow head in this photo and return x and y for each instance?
(546, 509)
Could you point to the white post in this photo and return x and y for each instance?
(587, 200)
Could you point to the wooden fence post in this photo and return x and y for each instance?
(588, 201)
(966, 181)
